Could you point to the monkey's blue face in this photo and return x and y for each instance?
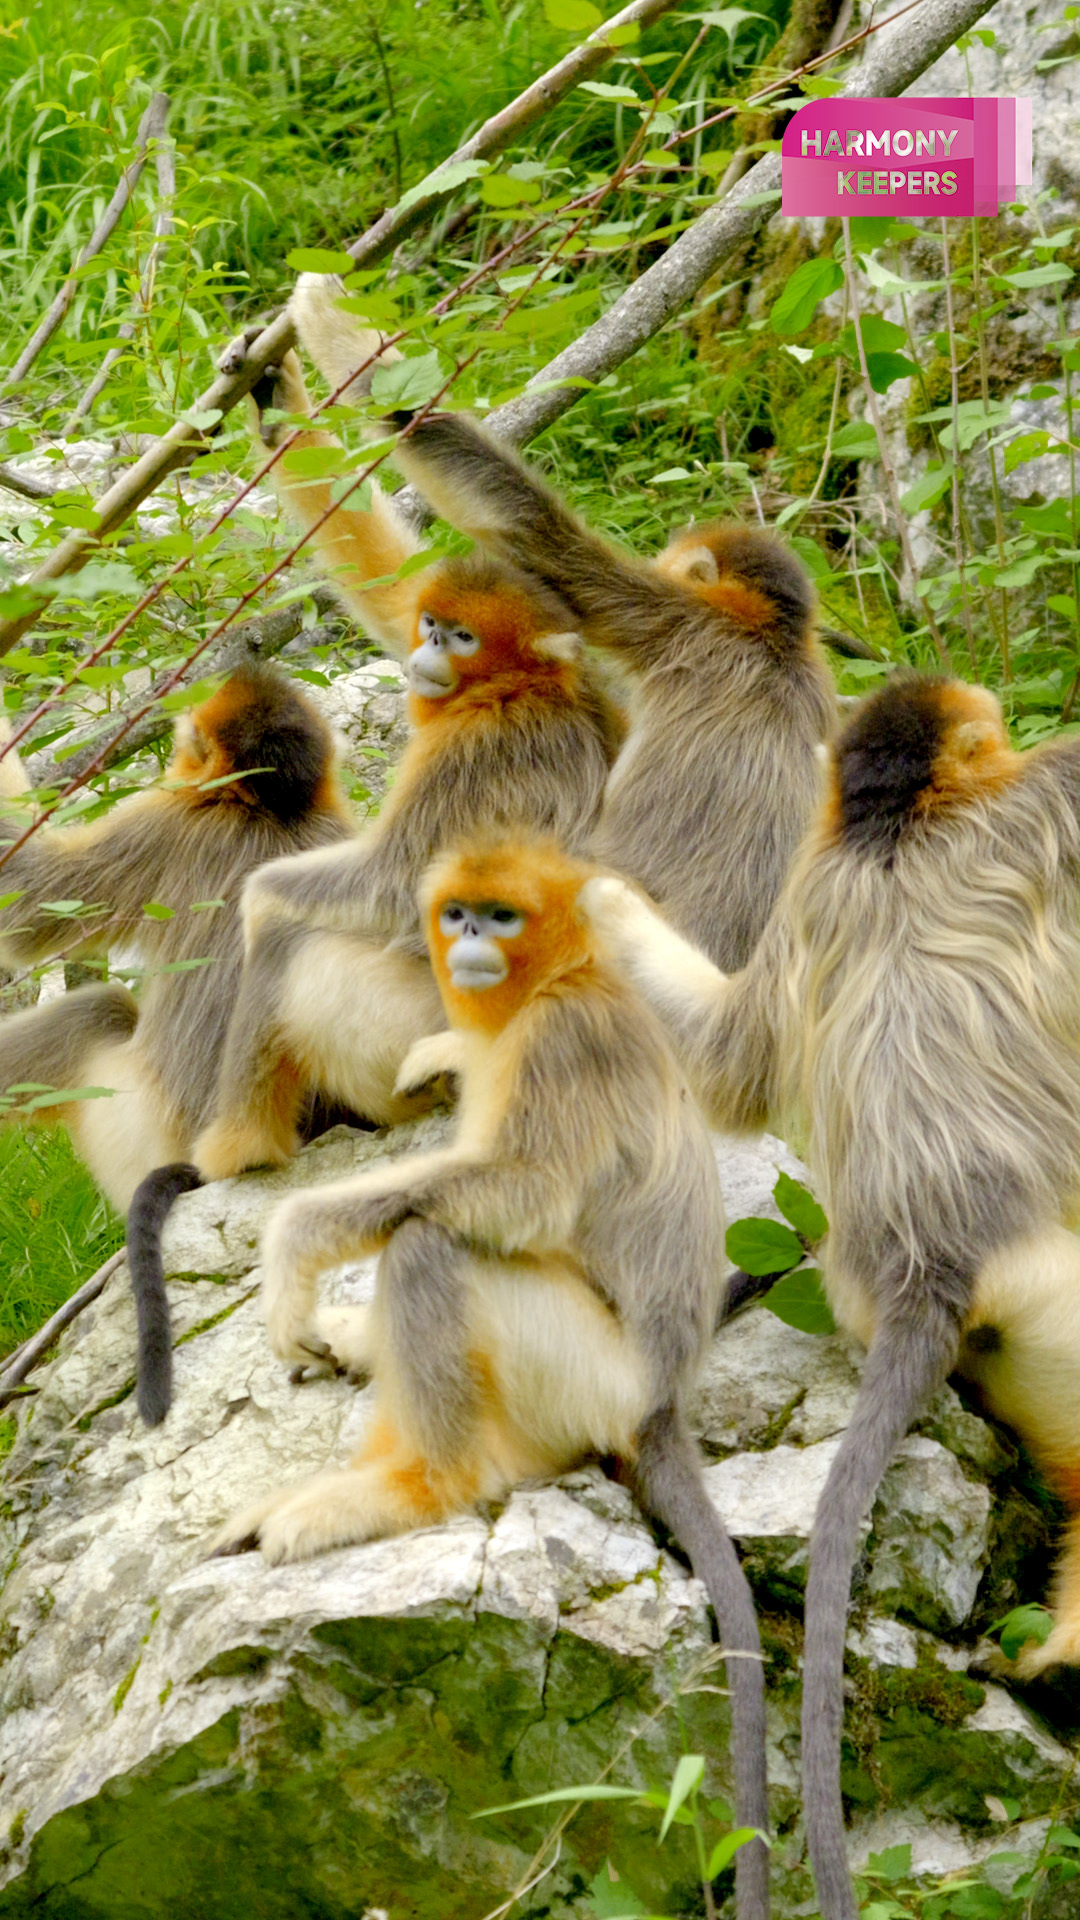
(433, 663)
(475, 953)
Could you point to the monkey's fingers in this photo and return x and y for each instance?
(236, 352)
(319, 1364)
(436, 1056)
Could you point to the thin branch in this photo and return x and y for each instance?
(163, 227)
(183, 442)
(17, 482)
(19, 1364)
(151, 127)
(884, 456)
(258, 639)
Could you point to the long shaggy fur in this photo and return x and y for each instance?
(731, 696)
(913, 1013)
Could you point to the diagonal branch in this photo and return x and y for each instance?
(183, 442)
(151, 127)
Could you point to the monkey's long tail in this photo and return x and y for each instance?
(667, 1479)
(149, 1210)
(905, 1364)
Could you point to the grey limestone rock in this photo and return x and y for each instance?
(223, 1738)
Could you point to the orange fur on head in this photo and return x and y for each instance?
(747, 574)
(539, 881)
(976, 755)
(526, 632)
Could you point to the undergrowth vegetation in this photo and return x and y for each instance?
(900, 401)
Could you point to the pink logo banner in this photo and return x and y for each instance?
(905, 156)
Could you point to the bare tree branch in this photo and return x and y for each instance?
(179, 446)
(17, 482)
(19, 1363)
(151, 127)
(163, 226)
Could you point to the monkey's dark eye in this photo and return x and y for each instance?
(503, 916)
(464, 642)
(451, 918)
(427, 626)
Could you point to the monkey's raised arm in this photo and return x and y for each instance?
(103, 875)
(356, 545)
(723, 1025)
(479, 485)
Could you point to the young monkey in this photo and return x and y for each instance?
(547, 1283)
(915, 1006)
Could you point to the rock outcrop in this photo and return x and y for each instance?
(222, 1738)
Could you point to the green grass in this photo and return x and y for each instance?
(55, 1228)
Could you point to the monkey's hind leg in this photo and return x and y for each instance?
(51, 1046)
(1022, 1350)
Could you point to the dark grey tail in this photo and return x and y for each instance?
(149, 1210)
(906, 1362)
(666, 1477)
(741, 1291)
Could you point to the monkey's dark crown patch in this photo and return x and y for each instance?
(272, 729)
(886, 759)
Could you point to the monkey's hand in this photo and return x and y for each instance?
(435, 1054)
(280, 385)
(669, 970)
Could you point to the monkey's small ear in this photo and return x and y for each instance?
(700, 566)
(970, 738)
(560, 646)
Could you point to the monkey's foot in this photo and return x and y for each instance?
(228, 1147)
(335, 1509)
(347, 1334)
(428, 1059)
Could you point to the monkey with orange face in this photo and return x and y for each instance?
(510, 730)
(547, 1282)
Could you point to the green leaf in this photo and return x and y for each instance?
(443, 180)
(1063, 1837)
(155, 911)
(1029, 446)
(879, 336)
(311, 463)
(855, 441)
(669, 474)
(611, 1897)
(687, 1777)
(202, 418)
(605, 91)
(1021, 1625)
(1022, 572)
(884, 368)
(799, 1301)
(319, 260)
(59, 1097)
(763, 1246)
(559, 1796)
(499, 190)
(933, 486)
(808, 287)
(725, 1850)
(798, 1205)
(1054, 273)
(209, 906)
(573, 16)
(891, 1864)
(408, 383)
